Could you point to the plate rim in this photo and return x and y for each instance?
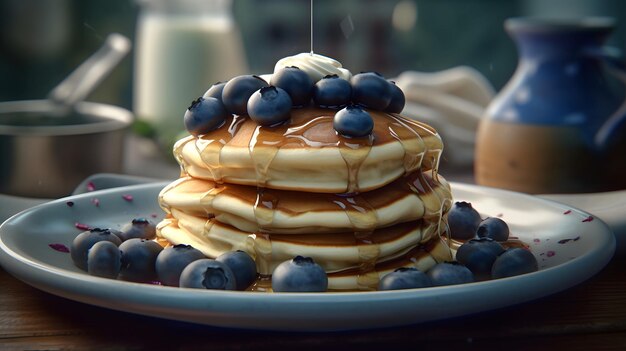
(52, 278)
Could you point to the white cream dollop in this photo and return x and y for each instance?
(316, 66)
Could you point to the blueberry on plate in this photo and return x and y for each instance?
(269, 106)
(215, 91)
(207, 274)
(514, 261)
(300, 274)
(332, 92)
(449, 273)
(138, 260)
(141, 228)
(479, 255)
(172, 260)
(371, 90)
(204, 115)
(242, 265)
(353, 122)
(296, 83)
(463, 220)
(404, 278)
(238, 90)
(104, 260)
(85, 240)
(396, 105)
(494, 228)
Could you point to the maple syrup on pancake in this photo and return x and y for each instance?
(265, 143)
(210, 145)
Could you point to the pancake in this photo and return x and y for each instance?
(334, 251)
(416, 196)
(306, 154)
(421, 257)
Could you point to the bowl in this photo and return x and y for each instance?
(44, 155)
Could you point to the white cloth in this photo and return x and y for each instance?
(453, 102)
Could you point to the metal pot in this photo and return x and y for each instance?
(44, 155)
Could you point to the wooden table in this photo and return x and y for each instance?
(590, 316)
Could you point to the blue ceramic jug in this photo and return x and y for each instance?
(558, 126)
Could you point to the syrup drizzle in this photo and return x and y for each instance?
(354, 152)
(434, 155)
(298, 134)
(178, 154)
(209, 197)
(265, 208)
(263, 147)
(210, 146)
(311, 27)
(364, 221)
(412, 143)
(361, 214)
(259, 246)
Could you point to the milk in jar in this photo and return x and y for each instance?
(182, 48)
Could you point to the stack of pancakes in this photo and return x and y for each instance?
(360, 207)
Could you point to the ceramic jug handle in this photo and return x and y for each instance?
(607, 133)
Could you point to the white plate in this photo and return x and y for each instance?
(568, 248)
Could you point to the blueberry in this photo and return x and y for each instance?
(242, 265)
(140, 228)
(479, 255)
(204, 115)
(215, 91)
(104, 260)
(513, 262)
(85, 240)
(353, 121)
(450, 273)
(296, 83)
(238, 90)
(332, 92)
(301, 274)
(207, 274)
(371, 90)
(405, 278)
(269, 106)
(463, 220)
(172, 260)
(138, 260)
(493, 228)
(396, 105)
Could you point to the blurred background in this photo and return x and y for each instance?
(181, 47)
(42, 41)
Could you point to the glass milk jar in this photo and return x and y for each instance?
(182, 48)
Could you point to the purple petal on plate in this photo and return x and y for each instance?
(59, 247)
(588, 219)
(82, 226)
